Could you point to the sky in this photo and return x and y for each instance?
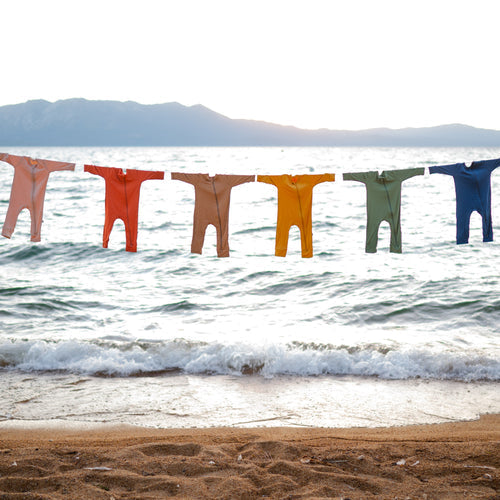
(338, 64)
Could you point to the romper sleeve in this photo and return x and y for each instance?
(444, 169)
(93, 169)
(179, 176)
(236, 180)
(268, 179)
(317, 179)
(154, 174)
(492, 164)
(53, 166)
(11, 159)
(407, 173)
(142, 175)
(356, 176)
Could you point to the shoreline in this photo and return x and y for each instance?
(195, 401)
(444, 460)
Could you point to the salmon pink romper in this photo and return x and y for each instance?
(28, 190)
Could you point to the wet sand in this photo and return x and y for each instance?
(443, 461)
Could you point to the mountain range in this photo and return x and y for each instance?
(82, 122)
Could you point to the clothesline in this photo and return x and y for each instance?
(212, 199)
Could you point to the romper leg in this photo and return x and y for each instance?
(372, 226)
(282, 232)
(222, 240)
(108, 226)
(487, 227)
(199, 229)
(306, 238)
(36, 221)
(11, 219)
(396, 246)
(131, 225)
(463, 221)
(306, 242)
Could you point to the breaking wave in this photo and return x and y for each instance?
(123, 359)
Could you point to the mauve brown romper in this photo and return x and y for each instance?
(212, 197)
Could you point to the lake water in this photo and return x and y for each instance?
(166, 338)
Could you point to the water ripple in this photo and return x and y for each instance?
(180, 307)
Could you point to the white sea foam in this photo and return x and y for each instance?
(128, 359)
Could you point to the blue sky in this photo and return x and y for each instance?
(337, 64)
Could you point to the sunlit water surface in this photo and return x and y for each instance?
(166, 338)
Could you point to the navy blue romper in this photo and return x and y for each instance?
(473, 193)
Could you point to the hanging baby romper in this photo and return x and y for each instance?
(383, 203)
(28, 190)
(211, 206)
(294, 208)
(473, 193)
(122, 199)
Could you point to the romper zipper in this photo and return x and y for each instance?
(218, 212)
(300, 209)
(33, 177)
(390, 208)
(126, 208)
(476, 181)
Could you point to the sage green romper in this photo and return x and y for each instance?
(383, 203)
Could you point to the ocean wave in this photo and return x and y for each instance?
(33, 302)
(162, 254)
(24, 253)
(163, 225)
(181, 307)
(257, 275)
(481, 310)
(46, 306)
(64, 252)
(252, 230)
(326, 225)
(19, 291)
(291, 284)
(137, 358)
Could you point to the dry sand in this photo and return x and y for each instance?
(456, 460)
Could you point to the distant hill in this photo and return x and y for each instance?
(80, 122)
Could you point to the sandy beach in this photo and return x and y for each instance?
(452, 460)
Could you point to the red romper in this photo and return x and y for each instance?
(122, 200)
(28, 190)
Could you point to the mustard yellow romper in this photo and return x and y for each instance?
(294, 207)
